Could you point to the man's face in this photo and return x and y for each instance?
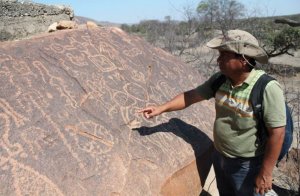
(229, 63)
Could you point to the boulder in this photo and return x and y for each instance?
(52, 27)
(90, 24)
(69, 124)
(19, 20)
(66, 24)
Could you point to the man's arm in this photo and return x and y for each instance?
(263, 180)
(179, 102)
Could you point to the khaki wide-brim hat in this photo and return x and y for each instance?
(240, 42)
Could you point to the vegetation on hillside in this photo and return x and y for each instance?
(201, 23)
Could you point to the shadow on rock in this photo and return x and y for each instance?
(200, 142)
(284, 192)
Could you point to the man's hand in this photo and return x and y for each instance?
(151, 111)
(263, 183)
(179, 102)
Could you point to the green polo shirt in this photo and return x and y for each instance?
(235, 124)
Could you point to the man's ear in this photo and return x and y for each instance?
(243, 61)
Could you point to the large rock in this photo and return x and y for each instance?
(66, 24)
(69, 125)
(19, 20)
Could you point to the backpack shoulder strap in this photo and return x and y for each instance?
(257, 92)
(217, 83)
(256, 99)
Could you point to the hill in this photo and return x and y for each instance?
(83, 20)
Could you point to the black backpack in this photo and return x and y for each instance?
(256, 99)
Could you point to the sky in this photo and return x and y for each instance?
(133, 11)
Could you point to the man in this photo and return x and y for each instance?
(242, 164)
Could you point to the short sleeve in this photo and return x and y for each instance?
(205, 89)
(274, 105)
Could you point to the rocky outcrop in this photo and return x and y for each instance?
(69, 126)
(22, 19)
(91, 24)
(286, 175)
(65, 24)
(287, 21)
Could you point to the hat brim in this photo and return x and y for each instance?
(240, 47)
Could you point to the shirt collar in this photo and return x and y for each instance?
(251, 77)
(248, 80)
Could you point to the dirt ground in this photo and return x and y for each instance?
(287, 59)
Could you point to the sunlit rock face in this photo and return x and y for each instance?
(68, 121)
(22, 19)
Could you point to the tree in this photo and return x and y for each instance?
(290, 22)
(126, 27)
(283, 42)
(151, 30)
(187, 30)
(220, 14)
(169, 34)
(276, 39)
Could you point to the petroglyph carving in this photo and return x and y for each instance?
(132, 52)
(37, 140)
(103, 63)
(55, 47)
(91, 137)
(9, 111)
(5, 57)
(8, 149)
(68, 120)
(77, 59)
(29, 182)
(136, 91)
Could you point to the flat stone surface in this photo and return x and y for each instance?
(68, 121)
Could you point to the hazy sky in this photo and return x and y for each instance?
(133, 11)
